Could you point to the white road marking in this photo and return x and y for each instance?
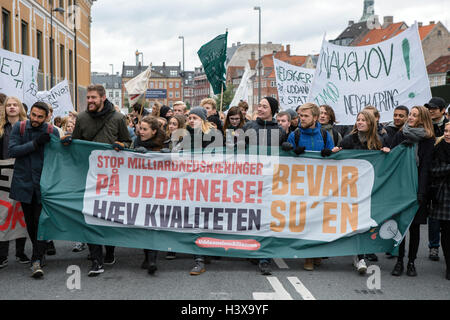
(280, 263)
(298, 285)
(279, 294)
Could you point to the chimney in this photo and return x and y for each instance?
(238, 44)
(269, 42)
(387, 20)
(420, 24)
(288, 49)
(350, 23)
(431, 22)
(164, 64)
(252, 55)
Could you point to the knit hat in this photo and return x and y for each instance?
(200, 112)
(293, 113)
(216, 120)
(163, 111)
(274, 106)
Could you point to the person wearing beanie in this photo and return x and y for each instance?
(294, 119)
(266, 110)
(165, 112)
(199, 112)
(265, 124)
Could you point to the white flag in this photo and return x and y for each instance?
(242, 90)
(138, 86)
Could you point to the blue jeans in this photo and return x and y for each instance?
(434, 233)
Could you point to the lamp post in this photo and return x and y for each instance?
(259, 54)
(182, 73)
(61, 10)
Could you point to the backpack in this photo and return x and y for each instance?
(24, 123)
(297, 134)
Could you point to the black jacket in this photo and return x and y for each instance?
(352, 142)
(425, 154)
(258, 126)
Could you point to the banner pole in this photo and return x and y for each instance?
(221, 98)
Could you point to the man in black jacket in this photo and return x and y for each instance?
(436, 106)
(400, 117)
(100, 123)
(265, 130)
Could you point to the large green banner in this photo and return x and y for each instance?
(221, 204)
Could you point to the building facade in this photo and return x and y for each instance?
(28, 26)
(112, 84)
(165, 81)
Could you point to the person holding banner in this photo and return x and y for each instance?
(26, 145)
(364, 136)
(201, 135)
(327, 120)
(234, 121)
(176, 122)
(263, 129)
(440, 191)
(417, 133)
(400, 116)
(14, 112)
(100, 123)
(151, 138)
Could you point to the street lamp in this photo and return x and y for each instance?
(182, 74)
(61, 10)
(259, 54)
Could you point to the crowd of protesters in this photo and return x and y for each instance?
(165, 129)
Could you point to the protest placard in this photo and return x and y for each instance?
(59, 98)
(12, 222)
(293, 84)
(18, 76)
(384, 75)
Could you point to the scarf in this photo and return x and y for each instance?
(362, 138)
(414, 135)
(107, 107)
(147, 144)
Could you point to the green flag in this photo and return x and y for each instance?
(213, 56)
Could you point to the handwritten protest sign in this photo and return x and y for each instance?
(12, 222)
(385, 75)
(293, 84)
(18, 76)
(239, 206)
(59, 98)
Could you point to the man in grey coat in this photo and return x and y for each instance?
(100, 123)
(26, 144)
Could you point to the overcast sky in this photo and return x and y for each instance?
(119, 27)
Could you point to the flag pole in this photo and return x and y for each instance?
(221, 98)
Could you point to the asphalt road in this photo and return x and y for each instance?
(225, 279)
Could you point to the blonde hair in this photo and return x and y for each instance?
(439, 140)
(4, 117)
(373, 141)
(210, 101)
(315, 110)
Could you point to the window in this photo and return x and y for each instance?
(273, 84)
(129, 73)
(116, 85)
(173, 73)
(62, 62)
(177, 85)
(6, 31)
(70, 65)
(24, 37)
(111, 94)
(177, 94)
(161, 85)
(151, 85)
(39, 48)
(117, 94)
(170, 85)
(170, 94)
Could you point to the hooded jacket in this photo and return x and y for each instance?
(312, 139)
(106, 126)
